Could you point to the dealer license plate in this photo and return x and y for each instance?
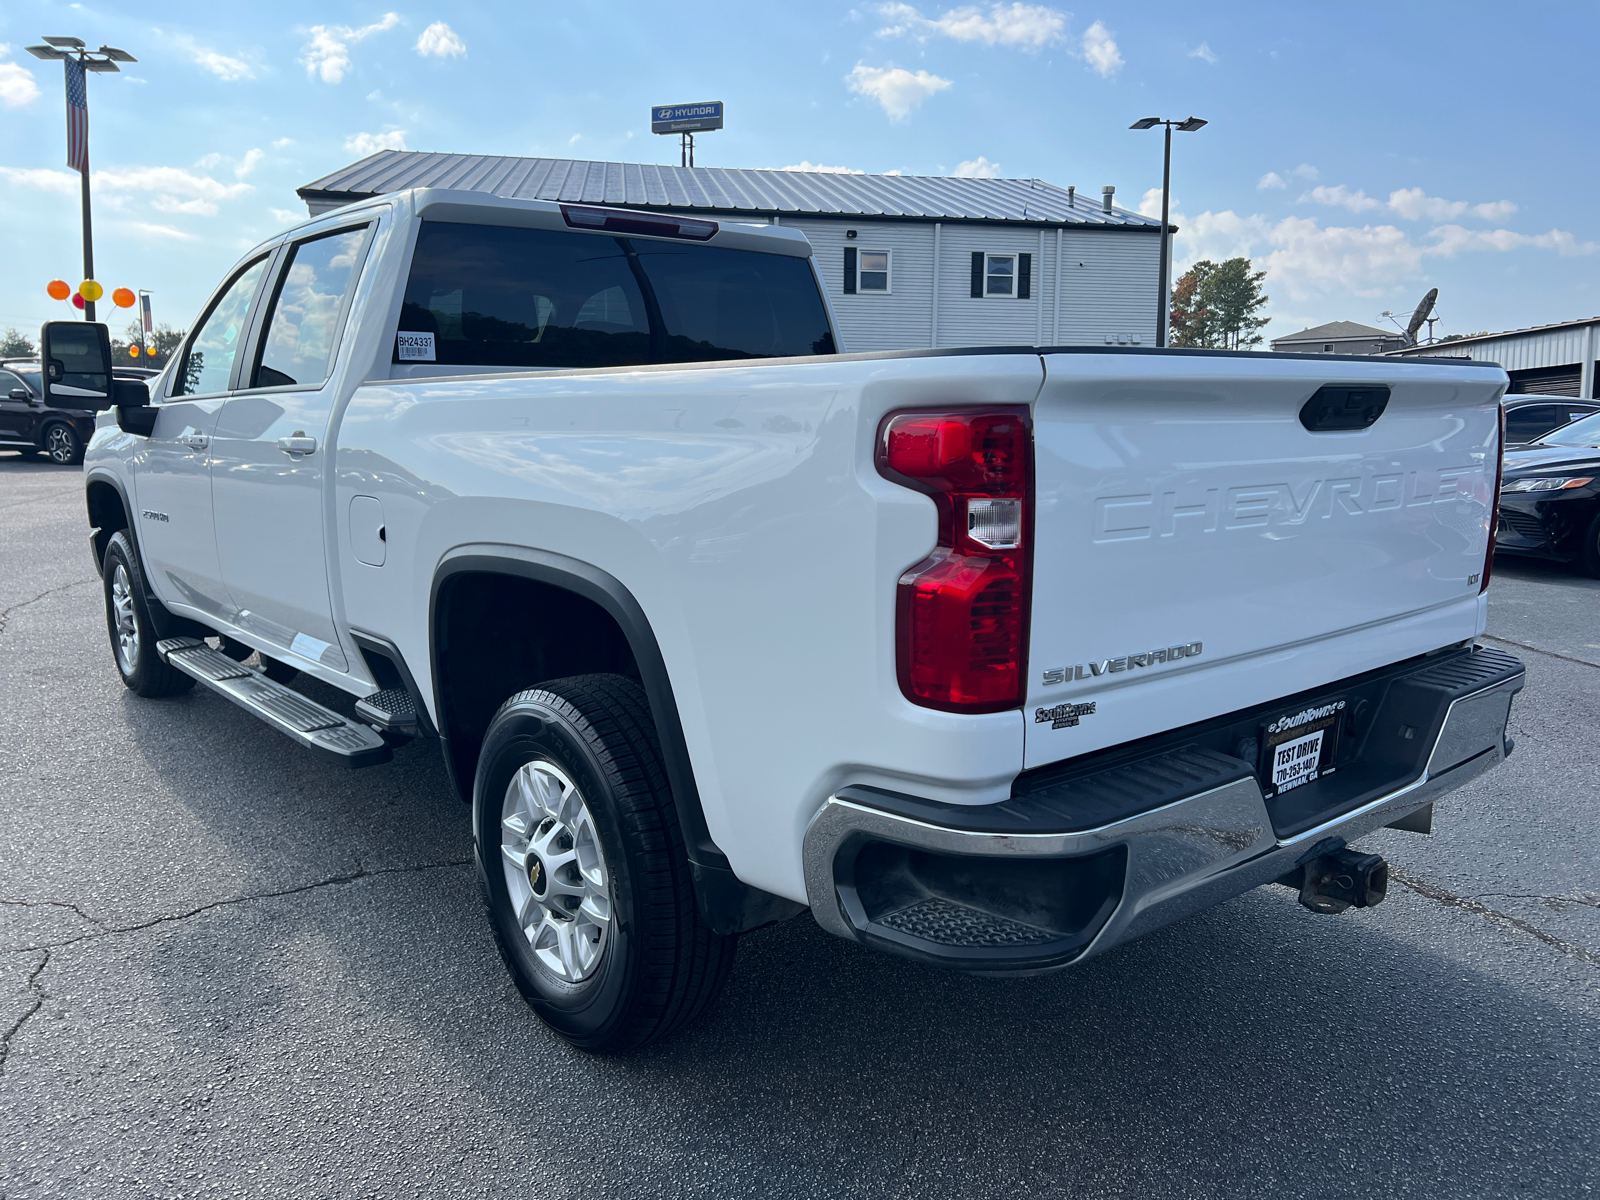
(1300, 747)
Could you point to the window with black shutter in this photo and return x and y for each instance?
(1024, 276)
(849, 270)
(977, 274)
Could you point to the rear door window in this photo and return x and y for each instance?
(1528, 422)
(482, 295)
(208, 362)
(305, 318)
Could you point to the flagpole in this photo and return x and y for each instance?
(88, 228)
(70, 52)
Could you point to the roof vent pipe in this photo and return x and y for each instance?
(1072, 195)
(1105, 197)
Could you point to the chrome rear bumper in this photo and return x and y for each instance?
(1181, 857)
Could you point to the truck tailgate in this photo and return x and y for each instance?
(1197, 549)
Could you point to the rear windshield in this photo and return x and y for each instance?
(483, 295)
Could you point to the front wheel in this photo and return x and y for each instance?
(583, 867)
(62, 445)
(133, 637)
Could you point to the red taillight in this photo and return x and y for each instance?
(1494, 507)
(962, 613)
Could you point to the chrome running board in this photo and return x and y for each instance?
(286, 710)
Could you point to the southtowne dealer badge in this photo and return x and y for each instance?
(1063, 716)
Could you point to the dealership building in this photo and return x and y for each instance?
(908, 261)
(1544, 360)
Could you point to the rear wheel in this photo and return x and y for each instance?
(62, 445)
(133, 637)
(583, 867)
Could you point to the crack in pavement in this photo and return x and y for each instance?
(1451, 900)
(38, 1003)
(5, 614)
(1585, 901)
(52, 904)
(170, 918)
(1582, 662)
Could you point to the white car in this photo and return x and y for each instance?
(991, 658)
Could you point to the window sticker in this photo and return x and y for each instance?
(416, 347)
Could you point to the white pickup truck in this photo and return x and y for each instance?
(991, 658)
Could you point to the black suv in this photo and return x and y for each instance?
(26, 424)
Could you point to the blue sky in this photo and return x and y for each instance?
(1360, 153)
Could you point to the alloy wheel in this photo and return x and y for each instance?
(58, 444)
(555, 871)
(127, 622)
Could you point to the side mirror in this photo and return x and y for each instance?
(20, 394)
(76, 356)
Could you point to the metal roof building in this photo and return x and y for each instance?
(909, 261)
(1543, 360)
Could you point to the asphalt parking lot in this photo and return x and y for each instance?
(229, 969)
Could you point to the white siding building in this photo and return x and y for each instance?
(909, 262)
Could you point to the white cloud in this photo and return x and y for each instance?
(327, 54)
(440, 41)
(282, 142)
(370, 143)
(1205, 52)
(170, 181)
(1414, 204)
(248, 163)
(1150, 204)
(159, 231)
(224, 66)
(41, 178)
(1305, 171)
(1342, 197)
(1270, 180)
(1027, 25)
(897, 89)
(17, 85)
(1450, 240)
(977, 168)
(206, 161)
(1304, 259)
(193, 208)
(286, 216)
(820, 169)
(1100, 51)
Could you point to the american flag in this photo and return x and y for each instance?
(77, 117)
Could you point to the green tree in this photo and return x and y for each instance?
(15, 344)
(1215, 305)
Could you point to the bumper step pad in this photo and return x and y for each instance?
(286, 710)
(390, 710)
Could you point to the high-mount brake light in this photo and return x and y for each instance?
(1494, 507)
(620, 220)
(962, 613)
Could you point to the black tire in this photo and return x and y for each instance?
(133, 637)
(1590, 558)
(61, 444)
(658, 965)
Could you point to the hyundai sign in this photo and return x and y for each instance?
(686, 118)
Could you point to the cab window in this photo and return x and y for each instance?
(303, 323)
(208, 361)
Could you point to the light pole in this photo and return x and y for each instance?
(77, 61)
(1164, 300)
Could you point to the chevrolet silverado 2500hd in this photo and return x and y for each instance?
(992, 659)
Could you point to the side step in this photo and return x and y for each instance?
(286, 710)
(390, 710)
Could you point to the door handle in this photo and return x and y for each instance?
(195, 441)
(298, 443)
